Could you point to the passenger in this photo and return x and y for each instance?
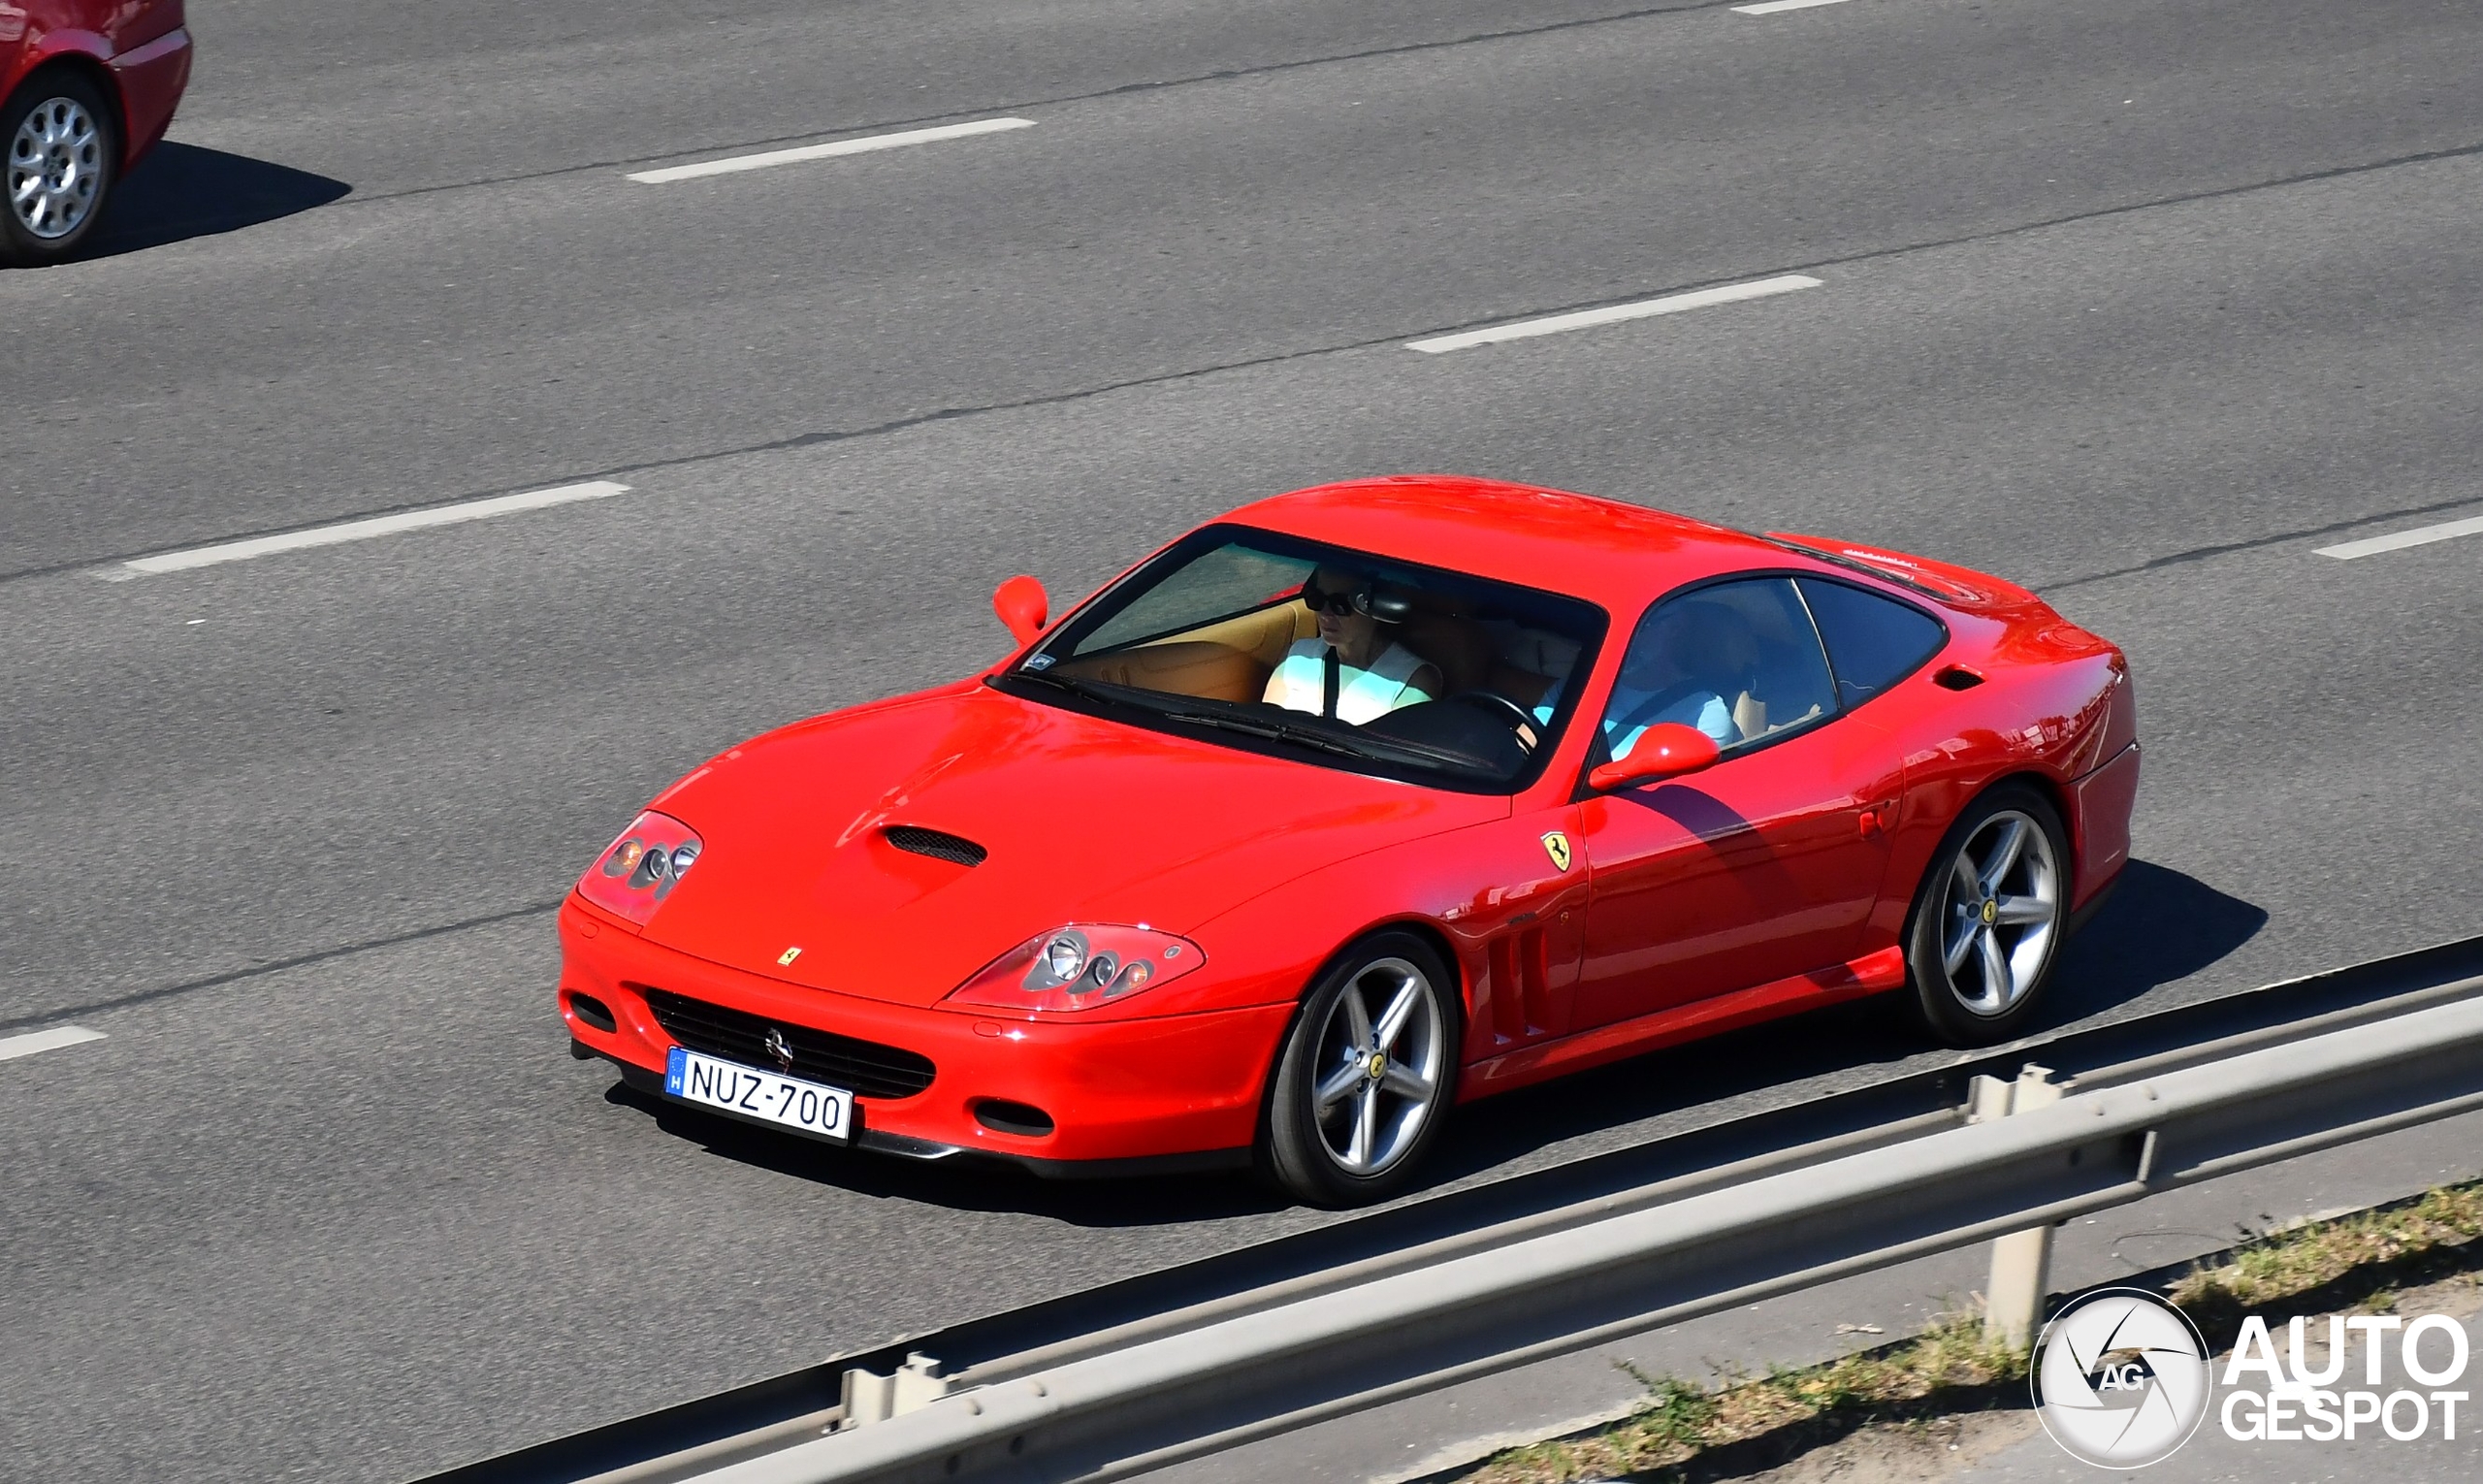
(1679, 665)
(1351, 669)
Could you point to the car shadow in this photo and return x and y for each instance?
(181, 191)
(2158, 926)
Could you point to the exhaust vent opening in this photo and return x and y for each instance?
(936, 844)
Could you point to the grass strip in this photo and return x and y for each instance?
(1687, 1434)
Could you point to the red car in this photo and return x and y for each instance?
(1357, 802)
(91, 85)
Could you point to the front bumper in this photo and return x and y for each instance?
(1124, 1096)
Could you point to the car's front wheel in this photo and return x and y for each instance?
(1366, 1076)
(62, 154)
(1988, 920)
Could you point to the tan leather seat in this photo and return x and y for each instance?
(1180, 668)
(1263, 633)
(1460, 650)
(1467, 660)
(1229, 660)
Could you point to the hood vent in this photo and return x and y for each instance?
(939, 845)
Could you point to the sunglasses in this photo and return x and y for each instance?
(1338, 603)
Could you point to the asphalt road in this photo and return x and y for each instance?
(2137, 302)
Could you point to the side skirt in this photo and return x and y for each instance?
(1870, 974)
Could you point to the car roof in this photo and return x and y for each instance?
(1609, 553)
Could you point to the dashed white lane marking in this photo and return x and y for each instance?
(1671, 303)
(864, 145)
(46, 1041)
(2420, 535)
(363, 530)
(1771, 7)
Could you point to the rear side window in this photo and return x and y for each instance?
(1873, 642)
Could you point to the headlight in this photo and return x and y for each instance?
(642, 866)
(1080, 967)
(1065, 956)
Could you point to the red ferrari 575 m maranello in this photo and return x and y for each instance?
(1356, 804)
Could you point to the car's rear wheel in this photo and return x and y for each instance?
(59, 158)
(1988, 920)
(1366, 1075)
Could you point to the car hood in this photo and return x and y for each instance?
(1081, 820)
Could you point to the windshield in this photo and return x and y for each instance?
(1340, 658)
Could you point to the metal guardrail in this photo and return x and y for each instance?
(1105, 1385)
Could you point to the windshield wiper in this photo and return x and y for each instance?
(1368, 746)
(1274, 731)
(1371, 748)
(1086, 689)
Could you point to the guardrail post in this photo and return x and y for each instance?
(2021, 1262)
(870, 1397)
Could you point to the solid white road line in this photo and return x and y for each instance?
(1771, 7)
(46, 1040)
(862, 145)
(364, 530)
(1671, 303)
(2420, 535)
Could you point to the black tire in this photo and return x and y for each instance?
(2011, 930)
(1311, 1154)
(80, 165)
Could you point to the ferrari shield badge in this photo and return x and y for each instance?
(785, 958)
(1557, 846)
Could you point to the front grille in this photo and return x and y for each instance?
(864, 1068)
(936, 844)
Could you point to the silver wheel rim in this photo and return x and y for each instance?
(56, 168)
(1380, 1060)
(1999, 913)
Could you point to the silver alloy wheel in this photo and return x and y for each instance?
(1380, 1056)
(56, 168)
(2000, 913)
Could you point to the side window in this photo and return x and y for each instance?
(1736, 659)
(1873, 642)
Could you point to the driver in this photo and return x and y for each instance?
(1352, 669)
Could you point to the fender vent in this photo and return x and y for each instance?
(1956, 677)
(939, 845)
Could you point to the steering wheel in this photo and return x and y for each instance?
(1529, 731)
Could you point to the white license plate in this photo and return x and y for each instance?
(769, 1097)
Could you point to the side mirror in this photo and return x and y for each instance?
(1024, 606)
(1666, 750)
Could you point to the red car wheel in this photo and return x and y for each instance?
(1988, 920)
(62, 153)
(1366, 1075)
